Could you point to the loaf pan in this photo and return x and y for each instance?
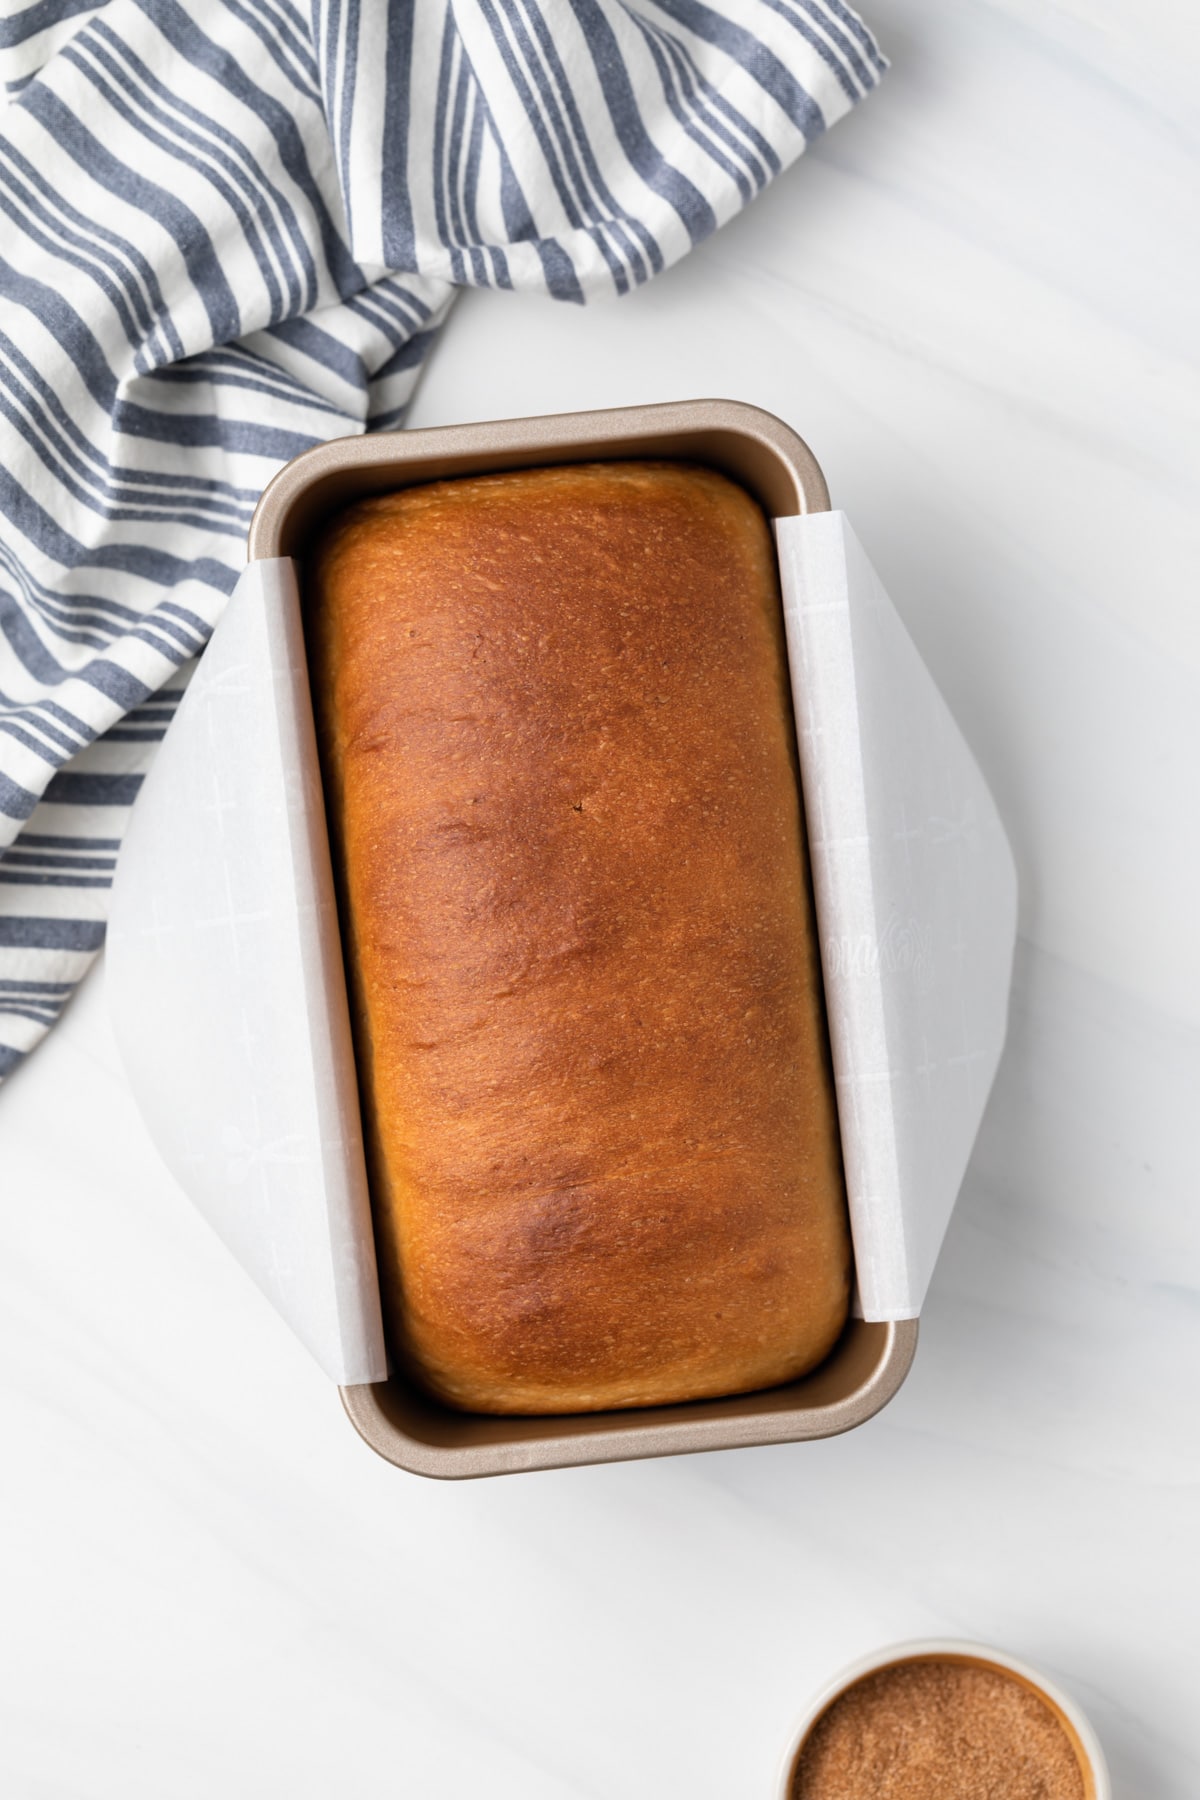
(395, 1417)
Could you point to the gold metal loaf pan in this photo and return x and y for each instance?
(871, 1360)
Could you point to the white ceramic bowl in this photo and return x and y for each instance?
(1076, 1725)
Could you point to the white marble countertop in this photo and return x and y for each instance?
(976, 299)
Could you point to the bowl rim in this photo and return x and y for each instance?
(1079, 1726)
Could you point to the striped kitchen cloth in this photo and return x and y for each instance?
(231, 229)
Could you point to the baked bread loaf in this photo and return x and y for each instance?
(559, 757)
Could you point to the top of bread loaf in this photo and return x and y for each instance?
(559, 753)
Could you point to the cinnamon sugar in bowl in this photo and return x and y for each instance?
(943, 1721)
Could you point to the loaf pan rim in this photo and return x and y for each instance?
(634, 1441)
(528, 439)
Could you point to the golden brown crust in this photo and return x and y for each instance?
(558, 751)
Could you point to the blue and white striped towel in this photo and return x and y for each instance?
(231, 229)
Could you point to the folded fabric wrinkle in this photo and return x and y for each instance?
(233, 230)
